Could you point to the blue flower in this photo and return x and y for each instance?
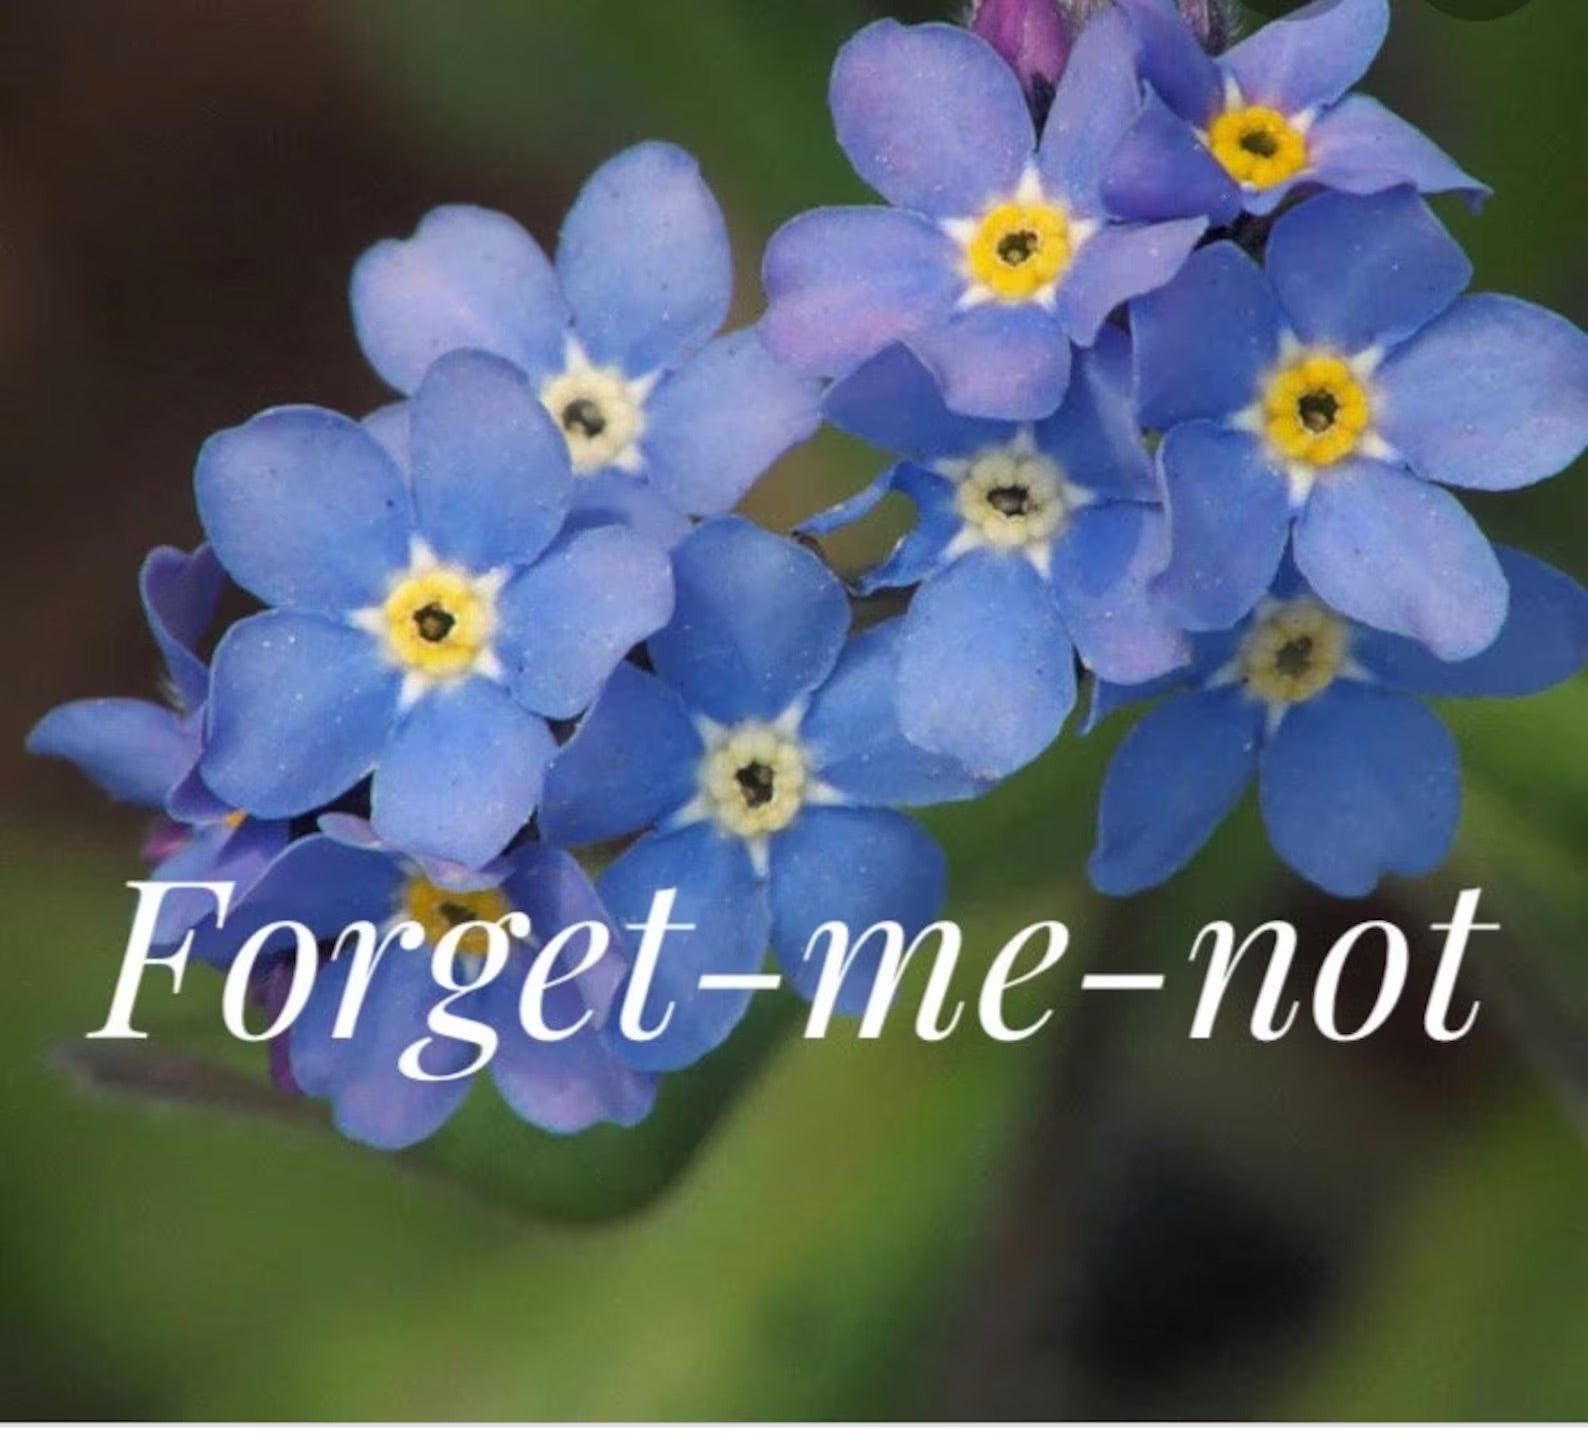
(1032, 543)
(147, 754)
(1244, 131)
(1357, 778)
(761, 760)
(423, 633)
(662, 422)
(998, 251)
(327, 882)
(1325, 396)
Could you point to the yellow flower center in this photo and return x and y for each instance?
(1259, 147)
(438, 622)
(438, 911)
(1013, 500)
(1020, 249)
(1316, 411)
(754, 780)
(1295, 653)
(600, 416)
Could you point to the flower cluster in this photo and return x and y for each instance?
(1176, 366)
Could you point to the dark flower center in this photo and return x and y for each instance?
(457, 914)
(1294, 659)
(758, 783)
(1319, 410)
(434, 622)
(1018, 247)
(584, 416)
(1010, 500)
(1261, 142)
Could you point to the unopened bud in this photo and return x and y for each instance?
(1034, 36)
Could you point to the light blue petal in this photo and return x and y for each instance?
(986, 669)
(566, 622)
(894, 403)
(1095, 436)
(1097, 101)
(858, 867)
(1175, 778)
(135, 751)
(299, 710)
(1361, 147)
(1358, 783)
(1360, 271)
(1543, 643)
(1205, 341)
(610, 497)
(491, 477)
(758, 626)
(1004, 363)
(632, 762)
(645, 260)
(304, 509)
(852, 731)
(218, 853)
(555, 892)
(1173, 61)
(931, 117)
(461, 774)
(1117, 265)
(1403, 556)
(1229, 520)
(1312, 57)
(1101, 569)
(466, 279)
(180, 591)
(721, 900)
(922, 549)
(389, 426)
(844, 282)
(1162, 171)
(1493, 395)
(322, 884)
(715, 427)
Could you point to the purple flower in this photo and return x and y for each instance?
(996, 250)
(1245, 130)
(662, 422)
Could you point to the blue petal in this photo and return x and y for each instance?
(931, 117)
(180, 592)
(322, 884)
(389, 426)
(715, 427)
(566, 622)
(1175, 778)
(1229, 520)
(461, 774)
(894, 403)
(1205, 341)
(1006, 363)
(1493, 395)
(1361, 147)
(858, 867)
(304, 509)
(299, 710)
(1096, 103)
(645, 260)
(1095, 436)
(1310, 58)
(1173, 61)
(371, 1099)
(1403, 556)
(1358, 783)
(467, 279)
(1544, 642)
(1117, 265)
(852, 730)
(844, 282)
(1162, 171)
(721, 900)
(491, 476)
(758, 626)
(1360, 271)
(219, 852)
(986, 670)
(632, 762)
(921, 550)
(610, 497)
(135, 751)
(1101, 568)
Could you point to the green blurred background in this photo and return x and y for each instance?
(1110, 1221)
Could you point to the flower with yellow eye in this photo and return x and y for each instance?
(421, 630)
(1330, 397)
(1241, 131)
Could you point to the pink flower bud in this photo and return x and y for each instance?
(1034, 36)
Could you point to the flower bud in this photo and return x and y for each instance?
(1034, 36)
